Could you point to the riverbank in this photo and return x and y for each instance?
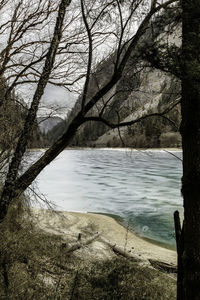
(79, 227)
(109, 148)
(143, 187)
(65, 255)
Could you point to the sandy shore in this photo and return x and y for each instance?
(70, 225)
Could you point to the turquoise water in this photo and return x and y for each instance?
(143, 187)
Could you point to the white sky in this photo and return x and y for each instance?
(55, 96)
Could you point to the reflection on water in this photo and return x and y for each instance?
(143, 187)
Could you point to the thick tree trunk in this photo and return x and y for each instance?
(180, 248)
(190, 130)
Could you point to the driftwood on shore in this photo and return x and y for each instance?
(80, 243)
(162, 266)
(117, 249)
(121, 250)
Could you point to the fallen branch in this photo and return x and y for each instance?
(120, 250)
(162, 266)
(80, 244)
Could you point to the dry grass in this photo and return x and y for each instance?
(34, 265)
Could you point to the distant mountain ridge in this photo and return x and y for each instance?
(47, 123)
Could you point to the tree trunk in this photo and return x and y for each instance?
(15, 185)
(180, 248)
(9, 189)
(190, 130)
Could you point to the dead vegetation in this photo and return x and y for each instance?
(38, 265)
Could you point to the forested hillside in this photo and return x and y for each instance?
(151, 132)
(142, 90)
(12, 116)
(143, 99)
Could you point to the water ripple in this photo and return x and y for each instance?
(143, 187)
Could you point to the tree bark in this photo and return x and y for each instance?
(190, 131)
(180, 248)
(9, 190)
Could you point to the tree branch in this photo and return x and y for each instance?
(132, 122)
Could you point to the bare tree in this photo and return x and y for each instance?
(92, 18)
(17, 26)
(27, 29)
(127, 43)
(68, 58)
(9, 186)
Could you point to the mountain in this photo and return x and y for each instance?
(55, 132)
(47, 123)
(153, 93)
(142, 90)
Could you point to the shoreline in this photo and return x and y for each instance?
(111, 148)
(70, 225)
(124, 224)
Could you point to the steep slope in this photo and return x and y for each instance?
(141, 91)
(152, 91)
(154, 94)
(135, 96)
(46, 124)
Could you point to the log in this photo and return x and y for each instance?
(79, 244)
(162, 266)
(120, 250)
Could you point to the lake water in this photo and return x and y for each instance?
(143, 187)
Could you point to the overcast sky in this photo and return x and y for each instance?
(56, 100)
(57, 97)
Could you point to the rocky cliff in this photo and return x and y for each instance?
(143, 89)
